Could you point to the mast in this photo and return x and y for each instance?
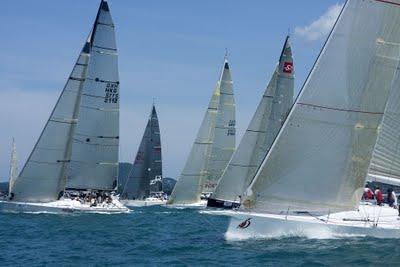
(319, 161)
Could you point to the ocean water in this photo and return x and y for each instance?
(160, 236)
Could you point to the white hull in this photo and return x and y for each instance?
(143, 203)
(61, 206)
(382, 222)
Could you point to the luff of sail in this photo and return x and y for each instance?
(188, 188)
(43, 176)
(147, 167)
(319, 160)
(94, 159)
(13, 167)
(262, 130)
(225, 131)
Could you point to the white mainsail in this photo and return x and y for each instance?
(225, 131)
(94, 159)
(43, 177)
(13, 166)
(262, 130)
(319, 160)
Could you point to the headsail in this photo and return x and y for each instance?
(319, 160)
(188, 188)
(262, 130)
(225, 131)
(13, 166)
(94, 160)
(385, 162)
(146, 173)
(43, 177)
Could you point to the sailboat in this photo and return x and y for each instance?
(312, 179)
(261, 132)
(212, 149)
(144, 184)
(13, 166)
(77, 152)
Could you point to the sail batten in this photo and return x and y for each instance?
(320, 158)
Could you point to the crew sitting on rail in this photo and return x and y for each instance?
(368, 194)
(391, 198)
(378, 196)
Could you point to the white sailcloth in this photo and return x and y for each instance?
(94, 159)
(43, 176)
(320, 159)
(225, 131)
(261, 132)
(385, 162)
(190, 185)
(13, 166)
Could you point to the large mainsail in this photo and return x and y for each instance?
(190, 185)
(43, 176)
(94, 159)
(146, 173)
(13, 166)
(385, 162)
(262, 130)
(225, 132)
(319, 160)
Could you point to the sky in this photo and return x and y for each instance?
(170, 52)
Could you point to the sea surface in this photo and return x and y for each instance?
(160, 236)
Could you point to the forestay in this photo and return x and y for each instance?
(225, 131)
(43, 176)
(262, 130)
(319, 161)
(146, 173)
(94, 160)
(189, 187)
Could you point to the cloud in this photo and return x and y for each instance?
(320, 27)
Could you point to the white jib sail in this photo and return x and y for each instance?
(320, 159)
(261, 132)
(94, 160)
(43, 176)
(190, 184)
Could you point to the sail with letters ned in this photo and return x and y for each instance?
(319, 161)
(225, 131)
(95, 142)
(43, 176)
(262, 130)
(146, 173)
(13, 166)
(188, 188)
